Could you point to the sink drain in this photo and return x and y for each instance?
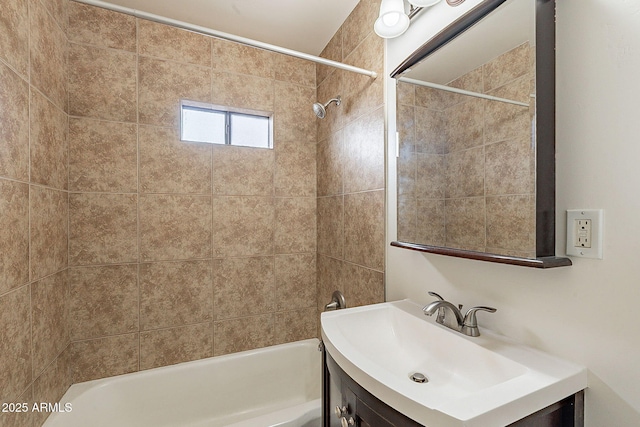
(418, 378)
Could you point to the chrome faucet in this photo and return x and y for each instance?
(467, 324)
(337, 302)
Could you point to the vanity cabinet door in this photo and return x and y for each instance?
(367, 417)
(364, 409)
(333, 397)
(568, 412)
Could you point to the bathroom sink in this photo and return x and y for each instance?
(483, 381)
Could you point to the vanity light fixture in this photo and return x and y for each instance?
(393, 21)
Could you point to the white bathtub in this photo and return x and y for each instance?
(273, 386)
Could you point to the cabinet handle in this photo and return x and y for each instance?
(346, 423)
(341, 411)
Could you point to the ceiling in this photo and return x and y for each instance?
(303, 25)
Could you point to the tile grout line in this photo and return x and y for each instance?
(69, 361)
(212, 263)
(30, 282)
(138, 236)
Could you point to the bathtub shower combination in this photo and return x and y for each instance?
(273, 386)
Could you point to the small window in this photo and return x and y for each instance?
(220, 125)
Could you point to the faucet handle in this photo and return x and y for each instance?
(441, 314)
(470, 317)
(433, 294)
(470, 324)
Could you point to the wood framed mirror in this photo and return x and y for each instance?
(476, 126)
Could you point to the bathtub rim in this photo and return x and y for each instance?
(77, 389)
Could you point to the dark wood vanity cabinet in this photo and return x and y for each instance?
(340, 390)
(361, 409)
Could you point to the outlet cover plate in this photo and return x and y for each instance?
(597, 224)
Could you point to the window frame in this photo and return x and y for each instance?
(228, 112)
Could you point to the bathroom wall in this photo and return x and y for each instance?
(466, 170)
(351, 162)
(180, 251)
(586, 312)
(34, 293)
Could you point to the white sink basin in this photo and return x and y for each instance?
(483, 381)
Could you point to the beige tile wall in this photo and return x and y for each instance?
(179, 251)
(34, 288)
(351, 165)
(124, 248)
(466, 172)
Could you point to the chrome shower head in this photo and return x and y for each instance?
(321, 110)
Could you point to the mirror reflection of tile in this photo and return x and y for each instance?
(466, 167)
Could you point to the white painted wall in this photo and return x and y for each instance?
(587, 313)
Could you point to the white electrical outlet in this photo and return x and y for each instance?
(584, 233)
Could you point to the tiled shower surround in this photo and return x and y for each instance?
(34, 292)
(351, 165)
(466, 172)
(179, 251)
(123, 248)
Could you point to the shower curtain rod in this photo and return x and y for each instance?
(460, 91)
(227, 36)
